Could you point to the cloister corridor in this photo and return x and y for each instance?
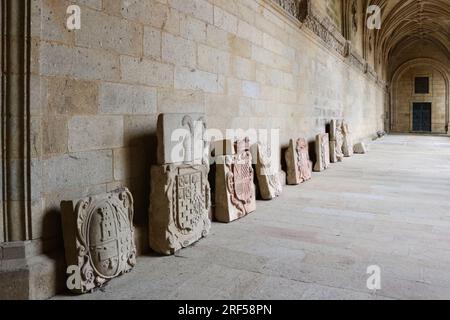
(390, 208)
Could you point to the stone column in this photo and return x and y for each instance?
(15, 119)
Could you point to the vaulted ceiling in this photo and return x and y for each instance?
(408, 21)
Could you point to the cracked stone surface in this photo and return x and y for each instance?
(389, 208)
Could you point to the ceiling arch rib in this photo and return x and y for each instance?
(406, 21)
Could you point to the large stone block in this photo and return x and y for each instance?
(77, 170)
(179, 51)
(80, 63)
(322, 152)
(235, 189)
(117, 34)
(127, 99)
(191, 79)
(267, 173)
(146, 72)
(180, 201)
(98, 239)
(181, 138)
(100, 132)
(299, 167)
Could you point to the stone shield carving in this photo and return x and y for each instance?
(235, 189)
(322, 152)
(268, 175)
(179, 207)
(299, 166)
(99, 237)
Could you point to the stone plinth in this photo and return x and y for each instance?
(179, 207)
(299, 166)
(98, 238)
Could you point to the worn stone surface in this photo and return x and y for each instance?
(267, 173)
(235, 190)
(347, 146)
(181, 138)
(316, 241)
(322, 152)
(99, 238)
(336, 141)
(360, 148)
(180, 201)
(299, 166)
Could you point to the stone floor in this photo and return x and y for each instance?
(389, 208)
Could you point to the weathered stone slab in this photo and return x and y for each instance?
(347, 147)
(224, 148)
(336, 141)
(322, 152)
(99, 238)
(267, 173)
(179, 207)
(181, 138)
(360, 148)
(235, 189)
(299, 166)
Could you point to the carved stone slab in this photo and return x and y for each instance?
(99, 237)
(268, 174)
(179, 207)
(235, 189)
(360, 148)
(347, 147)
(322, 152)
(181, 138)
(336, 141)
(299, 167)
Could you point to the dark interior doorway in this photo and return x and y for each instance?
(422, 117)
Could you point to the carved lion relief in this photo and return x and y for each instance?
(99, 237)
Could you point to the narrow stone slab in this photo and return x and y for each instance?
(235, 189)
(98, 239)
(268, 174)
(180, 201)
(322, 152)
(181, 138)
(347, 147)
(336, 141)
(299, 166)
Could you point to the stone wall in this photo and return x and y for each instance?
(95, 93)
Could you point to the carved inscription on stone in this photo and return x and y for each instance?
(299, 166)
(268, 174)
(322, 152)
(179, 207)
(181, 139)
(235, 189)
(99, 237)
(347, 147)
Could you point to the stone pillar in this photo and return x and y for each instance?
(15, 120)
